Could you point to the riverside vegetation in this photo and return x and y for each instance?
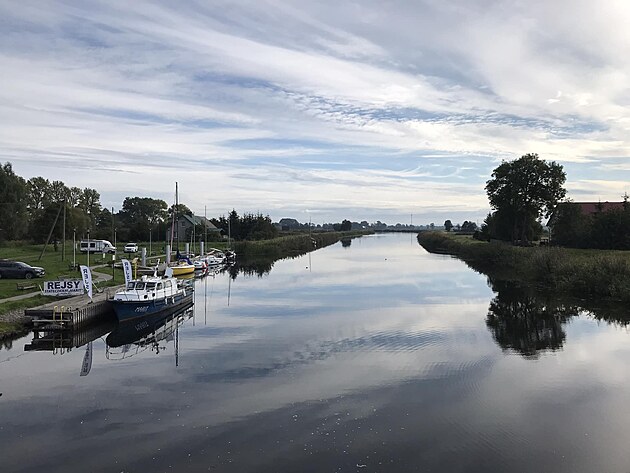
(593, 274)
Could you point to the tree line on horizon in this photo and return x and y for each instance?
(35, 208)
(32, 209)
(524, 191)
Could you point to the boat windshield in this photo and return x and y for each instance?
(130, 285)
(139, 286)
(150, 285)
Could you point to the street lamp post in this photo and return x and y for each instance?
(88, 248)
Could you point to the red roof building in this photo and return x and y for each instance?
(590, 208)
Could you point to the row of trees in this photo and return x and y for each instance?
(248, 227)
(609, 229)
(30, 209)
(523, 191)
(467, 226)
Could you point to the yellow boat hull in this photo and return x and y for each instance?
(182, 269)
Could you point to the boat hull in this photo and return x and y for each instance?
(183, 269)
(129, 310)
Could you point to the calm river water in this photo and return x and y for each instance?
(369, 357)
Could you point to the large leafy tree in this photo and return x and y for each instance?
(139, 215)
(523, 190)
(13, 221)
(89, 202)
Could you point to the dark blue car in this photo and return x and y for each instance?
(16, 270)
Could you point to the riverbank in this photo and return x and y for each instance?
(13, 322)
(291, 245)
(597, 274)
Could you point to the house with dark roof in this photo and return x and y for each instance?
(184, 226)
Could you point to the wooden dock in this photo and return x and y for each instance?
(73, 313)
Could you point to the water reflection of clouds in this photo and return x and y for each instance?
(422, 383)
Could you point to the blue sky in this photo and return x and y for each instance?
(325, 110)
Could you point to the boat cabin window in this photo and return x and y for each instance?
(139, 286)
(150, 286)
(130, 285)
(159, 286)
(167, 284)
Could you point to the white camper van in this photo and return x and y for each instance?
(96, 246)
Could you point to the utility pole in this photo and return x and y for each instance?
(63, 237)
(113, 224)
(88, 248)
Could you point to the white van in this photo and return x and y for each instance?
(96, 246)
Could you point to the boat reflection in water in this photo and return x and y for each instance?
(152, 332)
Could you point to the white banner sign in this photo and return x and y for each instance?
(87, 279)
(127, 270)
(69, 287)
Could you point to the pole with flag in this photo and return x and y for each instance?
(127, 270)
(87, 280)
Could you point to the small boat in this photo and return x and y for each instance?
(215, 257)
(200, 265)
(152, 295)
(182, 267)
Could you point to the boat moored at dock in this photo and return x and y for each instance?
(152, 295)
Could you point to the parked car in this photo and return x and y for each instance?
(16, 269)
(131, 248)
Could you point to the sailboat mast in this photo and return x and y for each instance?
(176, 217)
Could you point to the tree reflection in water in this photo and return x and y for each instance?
(250, 267)
(527, 323)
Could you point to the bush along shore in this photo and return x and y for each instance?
(292, 245)
(585, 274)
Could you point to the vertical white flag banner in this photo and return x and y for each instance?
(127, 270)
(87, 279)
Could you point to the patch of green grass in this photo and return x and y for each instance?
(23, 303)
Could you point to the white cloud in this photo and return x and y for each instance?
(131, 87)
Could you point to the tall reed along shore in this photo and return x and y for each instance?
(586, 274)
(290, 245)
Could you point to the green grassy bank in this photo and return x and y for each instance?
(596, 274)
(12, 330)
